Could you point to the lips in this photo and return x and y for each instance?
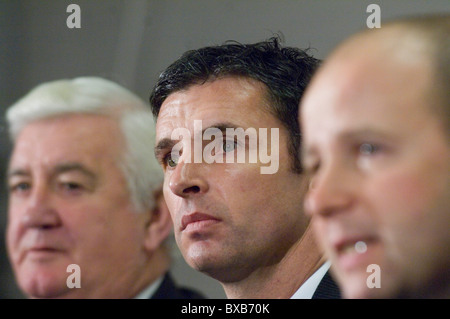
(197, 220)
(41, 253)
(354, 251)
(40, 244)
(355, 244)
(43, 249)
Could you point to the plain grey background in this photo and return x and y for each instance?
(131, 42)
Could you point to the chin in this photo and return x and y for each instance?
(216, 267)
(359, 289)
(360, 292)
(353, 287)
(43, 285)
(200, 255)
(202, 262)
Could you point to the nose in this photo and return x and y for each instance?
(331, 191)
(39, 210)
(187, 180)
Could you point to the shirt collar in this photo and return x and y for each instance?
(148, 292)
(306, 291)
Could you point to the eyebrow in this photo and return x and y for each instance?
(167, 143)
(163, 144)
(12, 173)
(59, 169)
(365, 133)
(222, 126)
(68, 167)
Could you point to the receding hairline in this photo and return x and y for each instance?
(423, 38)
(429, 31)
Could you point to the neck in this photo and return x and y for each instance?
(436, 287)
(282, 280)
(157, 266)
(130, 285)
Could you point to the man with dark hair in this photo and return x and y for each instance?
(284, 71)
(377, 147)
(234, 220)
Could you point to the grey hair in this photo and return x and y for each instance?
(94, 95)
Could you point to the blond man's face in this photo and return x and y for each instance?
(379, 159)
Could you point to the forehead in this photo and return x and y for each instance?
(363, 92)
(239, 100)
(69, 137)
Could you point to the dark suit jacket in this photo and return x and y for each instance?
(169, 290)
(327, 289)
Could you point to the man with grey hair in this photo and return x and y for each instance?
(86, 217)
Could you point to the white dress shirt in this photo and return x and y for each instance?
(148, 292)
(306, 291)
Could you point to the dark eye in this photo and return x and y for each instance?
(368, 148)
(20, 187)
(71, 186)
(229, 146)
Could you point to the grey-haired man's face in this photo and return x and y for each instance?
(69, 204)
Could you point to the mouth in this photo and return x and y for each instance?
(197, 221)
(353, 245)
(40, 252)
(45, 249)
(355, 252)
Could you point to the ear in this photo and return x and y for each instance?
(159, 226)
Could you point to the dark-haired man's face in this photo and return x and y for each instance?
(230, 218)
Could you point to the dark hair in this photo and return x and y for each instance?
(285, 71)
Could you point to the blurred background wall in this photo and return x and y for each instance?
(131, 42)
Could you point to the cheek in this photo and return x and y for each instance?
(106, 239)
(319, 227)
(412, 211)
(408, 212)
(172, 201)
(13, 233)
(402, 195)
(231, 184)
(266, 204)
(94, 224)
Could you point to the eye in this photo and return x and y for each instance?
(72, 188)
(368, 149)
(310, 164)
(20, 187)
(313, 168)
(170, 160)
(229, 146)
